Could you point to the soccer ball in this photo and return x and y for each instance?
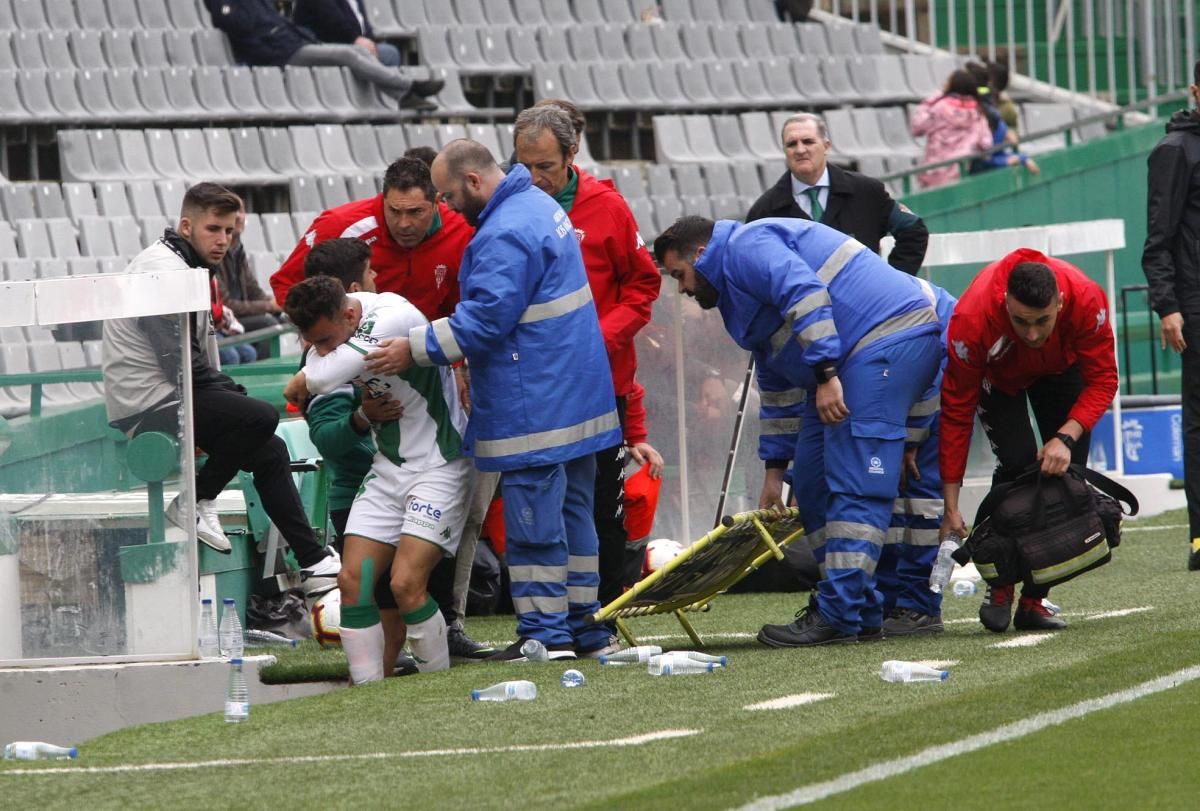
(327, 619)
(658, 553)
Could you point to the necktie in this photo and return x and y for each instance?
(814, 194)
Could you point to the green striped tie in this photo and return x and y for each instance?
(814, 194)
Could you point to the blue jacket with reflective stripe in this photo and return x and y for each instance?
(526, 323)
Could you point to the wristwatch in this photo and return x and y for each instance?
(825, 372)
(1066, 439)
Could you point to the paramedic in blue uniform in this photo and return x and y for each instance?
(542, 395)
(851, 344)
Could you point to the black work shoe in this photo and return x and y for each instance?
(513, 652)
(426, 87)
(1032, 615)
(420, 105)
(871, 633)
(1194, 556)
(406, 665)
(809, 629)
(996, 611)
(463, 648)
(907, 622)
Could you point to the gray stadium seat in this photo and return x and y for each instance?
(8, 242)
(470, 12)
(121, 86)
(128, 236)
(606, 78)
(248, 148)
(629, 181)
(280, 233)
(333, 94)
(212, 47)
(894, 130)
(698, 204)
(27, 50)
(754, 40)
(557, 12)
(63, 239)
(783, 41)
(702, 142)
(667, 210)
(493, 44)
(180, 104)
(64, 94)
(809, 81)
(134, 154)
(585, 47)
(392, 141)
(867, 38)
(87, 50)
(445, 133)
(171, 191)
(762, 139)
(365, 97)
(186, 14)
(195, 160)
(421, 135)
(61, 16)
(504, 134)
(44, 357)
(498, 14)
(727, 130)
(552, 41)
(486, 135)
(748, 75)
(577, 84)
(640, 43)
(697, 42)
(29, 14)
(305, 194)
(617, 11)
(112, 199)
(439, 12)
(381, 14)
(181, 51)
(1041, 116)
(840, 38)
(864, 75)
(75, 156)
(835, 72)
(611, 39)
(106, 154)
(14, 359)
(210, 90)
(529, 12)
(670, 140)
(123, 14)
(359, 187)
(302, 93)
(333, 191)
(666, 42)
(547, 81)
(659, 180)
(635, 78)
(118, 49)
(239, 86)
(143, 198)
(154, 14)
(410, 14)
(919, 76)
(523, 45)
(643, 215)
(726, 44)
(336, 149)
(10, 99)
(18, 270)
(726, 206)
(307, 148)
(33, 239)
(844, 136)
(93, 94)
(364, 148)
(724, 86)
(778, 77)
(588, 12)
(82, 266)
(18, 199)
(666, 84)
(164, 155)
(746, 181)
(252, 237)
(223, 155)
(713, 11)
(7, 62)
(271, 91)
(813, 40)
(112, 264)
(677, 11)
(49, 200)
(72, 356)
(468, 56)
(55, 49)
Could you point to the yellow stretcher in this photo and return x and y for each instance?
(709, 567)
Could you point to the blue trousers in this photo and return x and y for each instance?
(846, 476)
(902, 576)
(552, 552)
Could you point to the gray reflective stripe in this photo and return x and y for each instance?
(913, 318)
(540, 604)
(583, 563)
(781, 336)
(810, 303)
(923, 408)
(838, 259)
(782, 399)
(582, 594)
(558, 306)
(917, 435)
(779, 426)
(922, 537)
(816, 331)
(927, 289)
(555, 438)
(895, 535)
(924, 507)
(854, 531)
(416, 341)
(850, 560)
(445, 336)
(537, 574)
(814, 539)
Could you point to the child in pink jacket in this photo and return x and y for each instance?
(955, 125)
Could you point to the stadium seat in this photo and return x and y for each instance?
(333, 95)
(127, 234)
(14, 360)
(82, 266)
(529, 12)
(667, 210)
(547, 81)
(809, 81)
(307, 149)
(143, 198)
(754, 40)
(118, 49)
(75, 156)
(112, 199)
(893, 124)
(44, 357)
(7, 62)
(494, 45)
(640, 43)
(248, 149)
(49, 200)
(606, 79)
(29, 15)
(18, 270)
(552, 40)
(523, 45)
(210, 91)
(690, 180)
(194, 158)
(121, 85)
(333, 191)
(868, 83)
(813, 40)
(64, 241)
(665, 81)
(392, 141)
(64, 95)
(95, 237)
(93, 91)
(336, 149)
(365, 97)
(779, 77)
(697, 41)
(670, 140)
(643, 214)
(666, 42)
(439, 12)
(8, 242)
(33, 239)
(164, 155)
(123, 14)
(701, 138)
(410, 14)
(302, 94)
(280, 233)
(724, 86)
(727, 130)
(212, 47)
(381, 14)
(486, 135)
(629, 181)
(18, 200)
(617, 11)
(467, 53)
(588, 12)
(252, 237)
(72, 356)
(87, 50)
(241, 84)
(151, 87)
(106, 154)
(635, 79)
(581, 39)
(839, 37)
(154, 14)
(434, 47)
(917, 72)
(181, 51)
(222, 151)
(112, 264)
(171, 192)
(718, 179)
(359, 187)
(61, 16)
(305, 195)
(611, 39)
(659, 180)
(747, 183)
(27, 50)
(471, 12)
(748, 75)
(420, 135)
(783, 41)
(726, 44)
(557, 12)
(835, 73)
(445, 133)
(504, 134)
(868, 40)
(79, 199)
(134, 154)
(577, 86)
(364, 148)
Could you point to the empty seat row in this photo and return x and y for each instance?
(48, 355)
(103, 49)
(97, 15)
(61, 238)
(75, 200)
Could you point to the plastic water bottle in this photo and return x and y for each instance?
(233, 643)
(939, 576)
(534, 651)
(719, 661)
(964, 588)
(38, 750)
(677, 663)
(265, 638)
(911, 671)
(237, 698)
(638, 655)
(206, 633)
(507, 691)
(572, 678)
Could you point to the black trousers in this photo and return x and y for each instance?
(1005, 419)
(608, 511)
(238, 433)
(1191, 421)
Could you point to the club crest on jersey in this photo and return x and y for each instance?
(876, 466)
(439, 275)
(579, 234)
(960, 349)
(999, 349)
(1101, 317)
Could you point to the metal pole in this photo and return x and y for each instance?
(1030, 45)
(1110, 23)
(1010, 24)
(971, 30)
(1169, 43)
(932, 10)
(1089, 36)
(893, 20)
(1071, 83)
(1189, 39)
(1110, 282)
(1130, 51)
(1151, 63)
(989, 8)
(733, 443)
(874, 12)
(910, 22)
(1051, 38)
(952, 28)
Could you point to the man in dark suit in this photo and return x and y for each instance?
(854, 204)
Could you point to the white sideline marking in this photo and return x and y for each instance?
(1002, 734)
(635, 740)
(1124, 612)
(1149, 529)
(784, 702)
(1023, 641)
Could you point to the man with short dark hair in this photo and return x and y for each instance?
(1171, 262)
(141, 365)
(813, 189)
(1029, 331)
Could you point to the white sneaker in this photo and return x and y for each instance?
(322, 575)
(208, 523)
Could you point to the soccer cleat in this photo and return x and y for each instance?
(513, 652)
(996, 611)
(1194, 556)
(610, 646)
(907, 622)
(809, 629)
(208, 523)
(1032, 615)
(463, 648)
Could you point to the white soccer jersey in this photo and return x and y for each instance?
(430, 432)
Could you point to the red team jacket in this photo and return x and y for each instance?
(982, 345)
(426, 275)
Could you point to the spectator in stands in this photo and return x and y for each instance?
(543, 397)
(242, 296)
(998, 82)
(225, 324)
(1171, 262)
(1029, 331)
(955, 126)
(260, 35)
(1002, 133)
(624, 283)
(793, 11)
(141, 365)
(844, 346)
(857, 205)
(345, 22)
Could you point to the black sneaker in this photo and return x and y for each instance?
(996, 611)
(463, 648)
(907, 622)
(426, 87)
(1194, 556)
(871, 633)
(406, 665)
(1032, 615)
(809, 629)
(513, 652)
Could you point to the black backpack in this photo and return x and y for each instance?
(1047, 529)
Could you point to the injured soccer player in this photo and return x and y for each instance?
(410, 511)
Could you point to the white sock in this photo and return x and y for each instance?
(364, 652)
(427, 641)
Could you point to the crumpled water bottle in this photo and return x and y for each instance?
(572, 678)
(637, 655)
(507, 691)
(534, 651)
(964, 587)
(38, 750)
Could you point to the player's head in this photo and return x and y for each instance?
(546, 144)
(347, 260)
(679, 248)
(324, 314)
(208, 220)
(1033, 302)
(466, 175)
(409, 201)
(805, 142)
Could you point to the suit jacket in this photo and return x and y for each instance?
(859, 206)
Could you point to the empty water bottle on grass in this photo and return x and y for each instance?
(572, 678)
(635, 655)
(233, 643)
(38, 750)
(719, 661)
(206, 633)
(256, 637)
(943, 567)
(677, 663)
(534, 651)
(964, 588)
(237, 697)
(911, 671)
(507, 691)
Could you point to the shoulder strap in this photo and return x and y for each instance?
(1110, 487)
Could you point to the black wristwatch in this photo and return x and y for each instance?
(825, 372)
(1066, 439)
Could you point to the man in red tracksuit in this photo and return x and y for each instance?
(624, 283)
(416, 242)
(1028, 327)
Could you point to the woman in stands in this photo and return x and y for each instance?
(955, 126)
